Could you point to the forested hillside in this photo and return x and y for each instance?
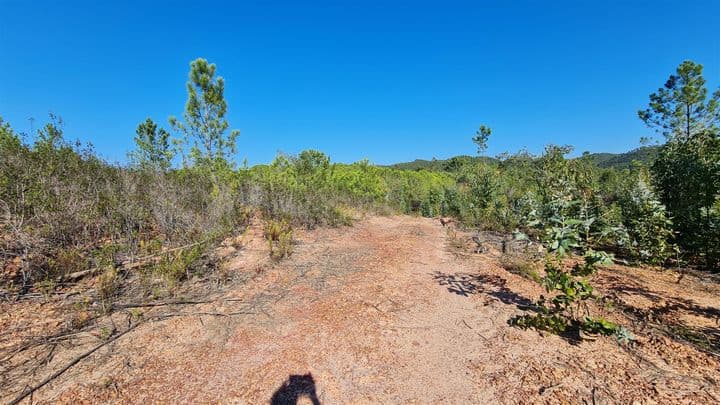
(644, 155)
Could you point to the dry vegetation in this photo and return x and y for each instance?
(161, 281)
(371, 321)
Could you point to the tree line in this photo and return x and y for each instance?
(64, 209)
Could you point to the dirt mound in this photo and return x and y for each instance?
(387, 311)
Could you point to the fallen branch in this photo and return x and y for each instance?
(79, 274)
(159, 304)
(75, 361)
(129, 264)
(44, 340)
(164, 252)
(162, 304)
(84, 355)
(229, 314)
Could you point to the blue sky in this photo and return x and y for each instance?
(384, 80)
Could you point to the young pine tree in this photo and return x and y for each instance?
(154, 149)
(481, 138)
(204, 125)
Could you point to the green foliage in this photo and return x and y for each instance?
(592, 259)
(58, 197)
(273, 229)
(107, 287)
(552, 323)
(297, 188)
(361, 183)
(568, 305)
(687, 174)
(623, 336)
(680, 109)
(153, 147)
(600, 326)
(452, 165)
(59, 201)
(176, 266)
(66, 261)
(481, 138)
(648, 226)
(522, 266)
(564, 236)
(644, 155)
(204, 123)
(279, 237)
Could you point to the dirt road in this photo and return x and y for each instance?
(381, 312)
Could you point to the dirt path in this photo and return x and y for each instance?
(381, 312)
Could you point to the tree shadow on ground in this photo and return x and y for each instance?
(295, 387)
(469, 284)
(667, 311)
(465, 284)
(670, 303)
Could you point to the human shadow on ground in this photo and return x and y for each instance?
(469, 284)
(295, 387)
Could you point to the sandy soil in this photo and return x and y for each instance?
(389, 311)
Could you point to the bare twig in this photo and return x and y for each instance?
(65, 368)
(168, 303)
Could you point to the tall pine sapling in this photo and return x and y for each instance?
(205, 125)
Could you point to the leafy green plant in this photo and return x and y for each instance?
(599, 326)
(648, 227)
(46, 287)
(571, 291)
(624, 336)
(105, 333)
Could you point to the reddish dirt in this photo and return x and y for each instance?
(388, 311)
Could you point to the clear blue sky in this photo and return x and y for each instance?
(387, 80)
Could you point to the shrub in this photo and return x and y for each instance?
(279, 237)
(107, 287)
(176, 266)
(66, 261)
(567, 307)
(647, 224)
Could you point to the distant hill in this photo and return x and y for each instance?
(438, 165)
(645, 155)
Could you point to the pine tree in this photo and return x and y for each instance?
(204, 123)
(687, 171)
(153, 147)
